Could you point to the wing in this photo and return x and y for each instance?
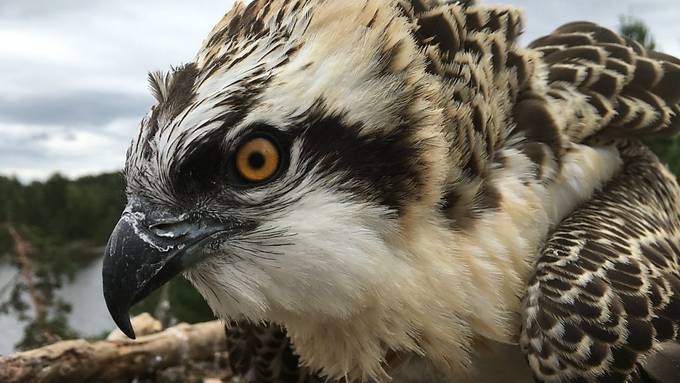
(263, 353)
(604, 304)
(610, 85)
(581, 81)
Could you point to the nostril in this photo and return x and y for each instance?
(171, 229)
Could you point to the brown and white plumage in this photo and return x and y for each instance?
(605, 298)
(262, 353)
(446, 195)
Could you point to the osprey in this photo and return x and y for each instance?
(412, 196)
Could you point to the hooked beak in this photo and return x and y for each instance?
(147, 248)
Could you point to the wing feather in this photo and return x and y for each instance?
(617, 75)
(263, 353)
(605, 295)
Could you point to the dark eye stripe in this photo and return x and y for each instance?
(198, 171)
(381, 167)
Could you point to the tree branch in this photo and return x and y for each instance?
(22, 248)
(114, 361)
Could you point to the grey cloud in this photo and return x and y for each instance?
(13, 151)
(38, 8)
(89, 108)
(543, 16)
(73, 76)
(103, 48)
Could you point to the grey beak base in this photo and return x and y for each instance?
(141, 256)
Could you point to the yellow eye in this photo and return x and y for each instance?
(257, 160)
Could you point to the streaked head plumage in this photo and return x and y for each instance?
(379, 177)
(366, 148)
(356, 128)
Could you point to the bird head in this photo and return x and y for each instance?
(282, 170)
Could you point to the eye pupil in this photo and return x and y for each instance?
(256, 160)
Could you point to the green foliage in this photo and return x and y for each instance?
(46, 330)
(668, 150)
(61, 211)
(636, 30)
(67, 223)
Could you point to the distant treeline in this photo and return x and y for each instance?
(59, 211)
(67, 223)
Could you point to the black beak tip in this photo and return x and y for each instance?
(122, 320)
(120, 316)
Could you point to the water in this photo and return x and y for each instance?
(88, 311)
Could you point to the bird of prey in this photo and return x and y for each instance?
(405, 194)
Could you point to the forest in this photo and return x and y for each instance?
(64, 225)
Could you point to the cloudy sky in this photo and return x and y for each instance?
(73, 72)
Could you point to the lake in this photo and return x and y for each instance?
(88, 316)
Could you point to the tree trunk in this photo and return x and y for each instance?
(115, 361)
(22, 248)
